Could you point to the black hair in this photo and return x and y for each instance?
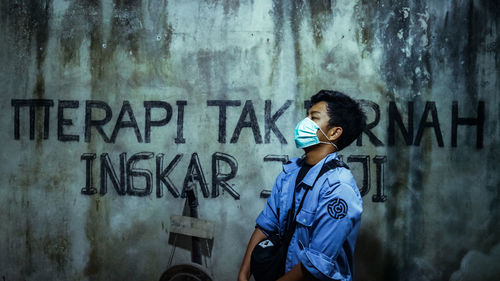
(343, 112)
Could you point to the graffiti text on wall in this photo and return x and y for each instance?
(248, 112)
(123, 183)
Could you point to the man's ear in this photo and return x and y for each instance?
(334, 133)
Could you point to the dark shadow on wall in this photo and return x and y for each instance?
(372, 261)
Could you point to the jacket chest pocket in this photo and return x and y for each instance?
(305, 218)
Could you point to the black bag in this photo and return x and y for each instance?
(268, 258)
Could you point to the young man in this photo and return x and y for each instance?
(322, 246)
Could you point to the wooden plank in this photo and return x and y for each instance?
(192, 227)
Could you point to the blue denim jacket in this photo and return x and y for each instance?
(327, 224)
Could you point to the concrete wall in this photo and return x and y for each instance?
(224, 84)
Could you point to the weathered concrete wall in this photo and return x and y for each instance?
(230, 79)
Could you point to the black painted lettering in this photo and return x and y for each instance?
(479, 122)
(162, 175)
(32, 104)
(248, 110)
(280, 158)
(88, 189)
(17, 104)
(373, 139)
(365, 160)
(395, 117)
(61, 121)
(265, 193)
(430, 106)
(270, 121)
(148, 105)
(89, 122)
(126, 124)
(195, 173)
(307, 105)
(107, 169)
(180, 121)
(219, 178)
(222, 104)
(379, 164)
(133, 172)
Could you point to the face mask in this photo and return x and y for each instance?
(305, 134)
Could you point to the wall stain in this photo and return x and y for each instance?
(231, 7)
(57, 249)
(205, 67)
(460, 52)
(26, 26)
(297, 10)
(127, 29)
(101, 65)
(213, 69)
(28, 23)
(28, 267)
(72, 32)
(364, 12)
(321, 13)
(147, 50)
(403, 28)
(161, 54)
(277, 15)
(416, 226)
(397, 191)
(373, 261)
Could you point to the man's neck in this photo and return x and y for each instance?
(317, 153)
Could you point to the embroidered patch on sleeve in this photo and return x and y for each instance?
(337, 208)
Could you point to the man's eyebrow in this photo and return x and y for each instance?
(312, 112)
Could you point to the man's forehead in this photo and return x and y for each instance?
(320, 107)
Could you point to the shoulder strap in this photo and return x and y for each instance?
(332, 164)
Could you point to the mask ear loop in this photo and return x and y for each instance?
(329, 142)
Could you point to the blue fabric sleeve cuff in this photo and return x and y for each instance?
(320, 266)
(266, 224)
(262, 229)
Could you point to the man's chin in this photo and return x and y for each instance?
(309, 148)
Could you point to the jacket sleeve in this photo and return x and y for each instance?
(268, 220)
(338, 212)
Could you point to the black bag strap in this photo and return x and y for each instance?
(290, 225)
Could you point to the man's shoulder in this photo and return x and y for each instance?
(340, 179)
(340, 188)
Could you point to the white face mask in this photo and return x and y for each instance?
(305, 134)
